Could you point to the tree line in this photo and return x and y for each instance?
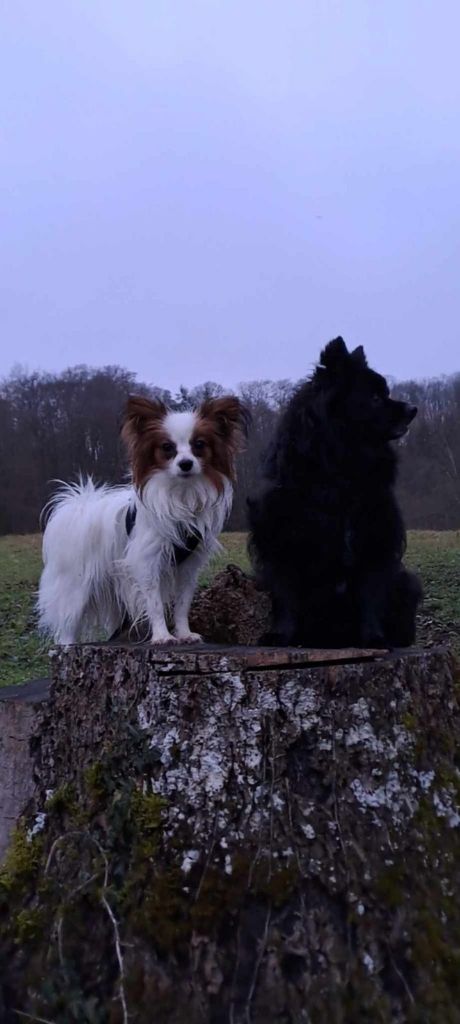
(54, 426)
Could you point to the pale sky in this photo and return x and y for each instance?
(211, 189)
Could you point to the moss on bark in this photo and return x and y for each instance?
(238, 843)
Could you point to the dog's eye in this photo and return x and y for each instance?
(198, 445)
(168, 448)
(377, 399)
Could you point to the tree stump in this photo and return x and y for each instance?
(238, 835)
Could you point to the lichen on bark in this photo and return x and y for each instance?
(274, 843)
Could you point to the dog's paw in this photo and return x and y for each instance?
(164, 640)
(373, 639)
(273, 639)
(189, 638)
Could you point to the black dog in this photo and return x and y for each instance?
(327, 536)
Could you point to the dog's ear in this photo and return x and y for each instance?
(359, 357)
(335, 356)
(139, 416)
(231, 419)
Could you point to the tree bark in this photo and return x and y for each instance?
(21, 713)
(239, 835)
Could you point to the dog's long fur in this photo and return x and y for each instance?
(96, 573)
(327, 536)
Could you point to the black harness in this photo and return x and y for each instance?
(130, 518)
(181, 552)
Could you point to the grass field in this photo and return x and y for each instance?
(436, 556)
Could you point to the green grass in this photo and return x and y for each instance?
(22, 654)
(436, 556)
(234, 550)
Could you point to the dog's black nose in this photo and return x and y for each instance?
(185, 465)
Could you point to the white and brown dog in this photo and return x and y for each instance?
(135, 551)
